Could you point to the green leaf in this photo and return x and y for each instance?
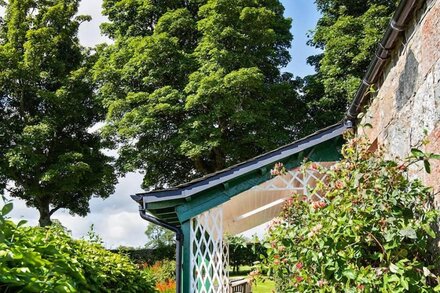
(417, 153)
(435, 156)
(428, 230)
(350, 274)
(404, 283)
(408, 233)
(21, 223)
(393, 268)
(7, 208)
(427, 166)
(426, 272)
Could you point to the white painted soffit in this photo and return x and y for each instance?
(265, 202)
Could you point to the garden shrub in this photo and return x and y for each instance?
(371, 232)
(34, 259)
(243, 252)
(164, 272)
(148, 255)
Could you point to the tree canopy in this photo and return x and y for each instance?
(192, 87)
(347, 32)
(47, 105)
(158, 237)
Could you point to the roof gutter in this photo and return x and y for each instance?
(383, 52)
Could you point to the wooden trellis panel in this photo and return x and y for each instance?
(209, 255)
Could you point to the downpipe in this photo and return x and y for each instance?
(179, 242)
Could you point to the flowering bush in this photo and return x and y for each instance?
(167, 286)
(371, 232)
(164, 272)
(278, 169)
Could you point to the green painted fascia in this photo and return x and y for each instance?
(328, 151)
(203, 202)
(165, 204)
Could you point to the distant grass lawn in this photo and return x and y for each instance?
(261, 287)
(265, 287)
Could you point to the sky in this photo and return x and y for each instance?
(116, 220)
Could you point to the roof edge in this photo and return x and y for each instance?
(396, 27)
(188, 189)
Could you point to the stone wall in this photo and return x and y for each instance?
(406, 106)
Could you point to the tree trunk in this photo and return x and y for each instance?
(43, 208)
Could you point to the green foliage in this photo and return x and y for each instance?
(159, 237)
(148, 256)
(47, 105)
(348, 33)
(194, 86)
(371, 232)
(49, 260)
(163, 271)
(243, 252)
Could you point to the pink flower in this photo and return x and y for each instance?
(319, 205)
(314, 166)
(299, 265)
(339, 184)
(317, 227)
(321, 283)
(299, 279)
(360, 287)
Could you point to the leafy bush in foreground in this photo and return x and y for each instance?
(34, 259)
(371, 232)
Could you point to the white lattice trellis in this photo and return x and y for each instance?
(298, 181)
(209, 255)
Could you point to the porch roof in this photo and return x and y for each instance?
(177, 205)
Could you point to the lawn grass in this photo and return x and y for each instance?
(265, 287)
(261, 287)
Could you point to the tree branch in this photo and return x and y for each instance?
(54, 210)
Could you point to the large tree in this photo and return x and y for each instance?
(348, 33)
(194, 86)
(47, 105)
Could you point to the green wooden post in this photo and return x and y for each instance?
(186, 265)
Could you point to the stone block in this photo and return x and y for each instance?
(397, 136)
(430, 39)
(433, 179)
(423, 113)
(436, 78)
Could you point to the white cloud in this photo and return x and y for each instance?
(115, 219)
(89, 32)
